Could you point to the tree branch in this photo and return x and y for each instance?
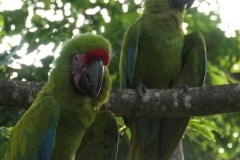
(157, 102)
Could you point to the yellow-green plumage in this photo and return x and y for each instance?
(157, 54)
(60, 115)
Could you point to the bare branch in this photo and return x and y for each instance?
(157, 102)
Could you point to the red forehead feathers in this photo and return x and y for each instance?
(98, 53)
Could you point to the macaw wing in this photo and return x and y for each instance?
(33, 136)
(194, 61)
(129, 55)
(100, 140)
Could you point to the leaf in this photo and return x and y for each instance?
(202, 129)
(5, 132)
(209, 123)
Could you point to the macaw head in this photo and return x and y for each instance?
(88, 70)
(82, 64)
(181, 3)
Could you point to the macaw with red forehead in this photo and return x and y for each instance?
(54, 126)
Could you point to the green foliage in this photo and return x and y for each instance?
(29, 31)
(4, 136)
(9, 116)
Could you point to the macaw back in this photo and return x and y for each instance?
(154, 54)
(159, 50)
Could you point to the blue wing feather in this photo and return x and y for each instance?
(131, 64)
(33, 136)
(129, 55)
(47, 141)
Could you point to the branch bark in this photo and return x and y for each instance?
(157, 102)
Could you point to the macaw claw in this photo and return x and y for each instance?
(141, 90)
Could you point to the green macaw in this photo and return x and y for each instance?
(54, 125)
(156, 54)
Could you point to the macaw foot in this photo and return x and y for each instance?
(185, 88)
(141, 90)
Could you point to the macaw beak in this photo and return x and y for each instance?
(179, 3)
(92, 78)
(189, 3)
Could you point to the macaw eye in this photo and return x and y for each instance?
(75, 58)
(78, 58)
